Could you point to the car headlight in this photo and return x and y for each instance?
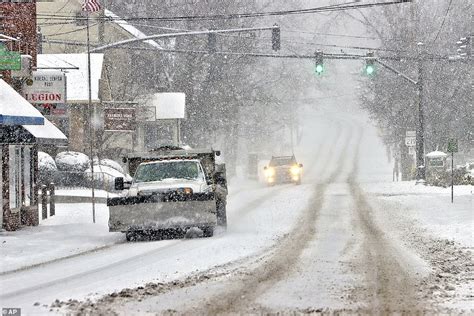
(269, 172)
(295, 170)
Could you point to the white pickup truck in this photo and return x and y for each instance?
(171, 190)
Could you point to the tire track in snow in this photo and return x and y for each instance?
(79, 275)
(247, 289)
(390, 288)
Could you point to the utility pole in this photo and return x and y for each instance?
(101, 25)
(91, 113)
(420, 126)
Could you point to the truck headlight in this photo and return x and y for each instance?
(185, 190)
(295, 170)
(269, 172)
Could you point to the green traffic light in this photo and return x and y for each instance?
(369, 69)
(319, 69)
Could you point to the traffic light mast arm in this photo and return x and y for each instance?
(171, 35)
(399, 73)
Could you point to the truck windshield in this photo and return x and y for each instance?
(167, 170)
(282, 161)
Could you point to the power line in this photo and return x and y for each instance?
(72, 31)
(285, 56)
(330, 8)
(442, 23)
(329, 34)
(259, 54)
(342, 46)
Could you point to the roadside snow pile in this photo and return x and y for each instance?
(194, 232)
(112, 164)
(105, 170)
(72, 161)
(46, 162)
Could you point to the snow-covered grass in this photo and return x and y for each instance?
(429, 206)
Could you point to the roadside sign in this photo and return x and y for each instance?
(410, 141)
(119, 119)
(452, 145)
(9, 60)
(46, 87)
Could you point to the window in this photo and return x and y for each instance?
(21, 176)
(15, 176)
(27, 176)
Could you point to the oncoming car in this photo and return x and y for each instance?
(283, 169)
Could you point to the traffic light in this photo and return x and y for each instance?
(276, 37)
(369, 69)
(318, 62)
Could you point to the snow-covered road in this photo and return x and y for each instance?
(328, 244)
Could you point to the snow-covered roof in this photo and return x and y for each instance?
(130, 28)
(15, 110)
(76, 79)
(436, 154)
(47, 133)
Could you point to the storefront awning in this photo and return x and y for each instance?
(47, 134)
(15, 110)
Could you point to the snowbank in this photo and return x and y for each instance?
(46, 162)
(431, 207)
(72, 161)
(106, 170)
(112, 164)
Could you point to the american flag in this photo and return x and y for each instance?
(91, 5)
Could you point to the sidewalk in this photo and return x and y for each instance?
(68, 233)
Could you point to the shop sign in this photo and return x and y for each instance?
(46, 87)
(119, 119)
(9, 60)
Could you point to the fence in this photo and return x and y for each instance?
(74, 179)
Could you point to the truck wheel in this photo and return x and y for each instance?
(207, 231)
(221, 213)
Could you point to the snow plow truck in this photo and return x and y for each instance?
(173, 189)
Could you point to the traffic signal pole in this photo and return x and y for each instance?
(275, 32)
